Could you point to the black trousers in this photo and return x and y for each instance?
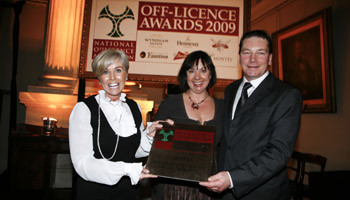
(123, 190)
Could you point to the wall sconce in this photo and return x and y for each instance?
(49, 126)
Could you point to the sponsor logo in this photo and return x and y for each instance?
(187, 43)
(156, 40)
(143, 54)
(116, 19)
(180, 55)
(221, 59)
(157, 55)
(220, 45)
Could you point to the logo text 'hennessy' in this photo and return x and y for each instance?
(165, 135)
(116, 19)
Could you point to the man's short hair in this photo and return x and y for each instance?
(259, 34)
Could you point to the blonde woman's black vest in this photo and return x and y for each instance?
(127, 146)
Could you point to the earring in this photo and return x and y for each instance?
(126, 78)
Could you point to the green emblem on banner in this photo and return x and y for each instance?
(116, 19)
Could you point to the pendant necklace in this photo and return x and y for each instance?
(194, 104)
(98, 135)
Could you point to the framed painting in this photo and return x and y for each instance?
(304, 59)
(157, 35)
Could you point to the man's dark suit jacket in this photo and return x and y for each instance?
(259, 141)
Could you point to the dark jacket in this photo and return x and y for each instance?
(258, 142)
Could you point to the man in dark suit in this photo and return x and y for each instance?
(259, 137)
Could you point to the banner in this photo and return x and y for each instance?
(158, 35)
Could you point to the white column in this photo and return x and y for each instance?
(65, 22)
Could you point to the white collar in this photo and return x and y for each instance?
(118, 114)
(108, 100)
(256, 82)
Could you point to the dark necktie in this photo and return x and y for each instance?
(244, 96)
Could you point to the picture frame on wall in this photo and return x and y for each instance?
(158, 35)
(304, 59)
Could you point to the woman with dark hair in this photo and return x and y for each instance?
(193, 106)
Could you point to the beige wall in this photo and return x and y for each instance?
(327, 134)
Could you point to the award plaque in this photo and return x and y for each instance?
(182, 151)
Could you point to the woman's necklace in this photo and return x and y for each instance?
(194, 104)
(98, 135)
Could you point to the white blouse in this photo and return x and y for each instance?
(121, 120)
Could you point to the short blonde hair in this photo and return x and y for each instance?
(108, 57)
